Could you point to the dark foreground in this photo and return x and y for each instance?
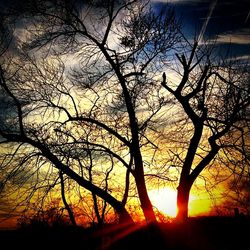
(210, 233)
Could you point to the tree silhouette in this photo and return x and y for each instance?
(214, 95)
(28, 156)
(118, 45)
(87, 91)
(67, 206)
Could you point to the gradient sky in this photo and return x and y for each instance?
(228, 22)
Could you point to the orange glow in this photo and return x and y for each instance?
(165, 199)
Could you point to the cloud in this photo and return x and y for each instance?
(238, 37)
(225, 2)
(179, 1)
(240, 58)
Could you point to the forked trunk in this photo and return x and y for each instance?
(124, 217)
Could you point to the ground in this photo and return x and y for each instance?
(207, 233)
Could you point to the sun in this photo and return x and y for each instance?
(164, 199)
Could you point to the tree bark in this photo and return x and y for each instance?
(183, 200)
(146, 204)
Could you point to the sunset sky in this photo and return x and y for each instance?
(227, 22)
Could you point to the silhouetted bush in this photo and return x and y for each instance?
(50, 217)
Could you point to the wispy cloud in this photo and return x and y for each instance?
(238, 37)
(179, 1)
(240, 58)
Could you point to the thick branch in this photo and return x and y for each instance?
(205, 161)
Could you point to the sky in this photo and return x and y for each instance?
(227, 21)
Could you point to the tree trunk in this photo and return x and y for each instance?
(96, 209)
(124, 217)
(67, 207)
(146, 204)
(182, 201)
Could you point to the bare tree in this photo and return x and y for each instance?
(88, 102)
(214, 96)
(119, 46)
